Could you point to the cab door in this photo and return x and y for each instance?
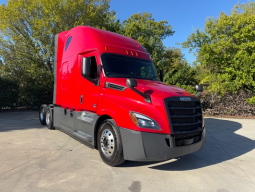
(89, 92)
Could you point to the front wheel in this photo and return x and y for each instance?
(109, 143)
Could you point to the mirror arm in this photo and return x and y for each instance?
(161, 75)
(132, 83)
(198, 94)
(146, 97)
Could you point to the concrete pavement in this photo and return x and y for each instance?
(33, 158)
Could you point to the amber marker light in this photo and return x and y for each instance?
(132, 53)
(127, 51)
(106, 48)
(133, 118)
(136, 54)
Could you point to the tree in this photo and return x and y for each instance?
(27, 30)
(177, 70)
(1, 67)
(8, 93)
(28, 27)
(149, 33)
(225, 50)
(172, 56)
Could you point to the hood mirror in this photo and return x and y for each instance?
(85, 70)
(85, 66)
(132, 83)
(199, 89)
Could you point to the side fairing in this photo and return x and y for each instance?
(59, 44)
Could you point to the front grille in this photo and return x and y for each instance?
(185, 115)
(185, 119)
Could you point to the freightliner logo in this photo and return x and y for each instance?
(185, 98)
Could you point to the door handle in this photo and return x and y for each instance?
(81, 99)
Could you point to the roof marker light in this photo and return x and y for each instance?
(132, 53)
(106, 48)
(127, 51)
(136, 54)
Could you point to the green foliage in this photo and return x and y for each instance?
(1, 67)
(225, 50)
(27, 30)
(28, 27)
(8, 93)
(149, 33)
(177, 71)
(251, 101)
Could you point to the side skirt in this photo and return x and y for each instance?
(78, 124)
(82, 135)
(76, 138)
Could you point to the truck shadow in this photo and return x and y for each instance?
(222, 144)
(10, 121)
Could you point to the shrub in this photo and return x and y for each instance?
(9, 91)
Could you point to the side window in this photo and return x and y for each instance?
(68, 42)
(93, 67)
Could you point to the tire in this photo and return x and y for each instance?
(42, 114)
(49, 118)
(109, 143)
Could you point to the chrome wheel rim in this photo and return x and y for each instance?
(107, 142)
(47, 118)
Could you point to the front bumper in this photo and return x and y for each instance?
(142, 146)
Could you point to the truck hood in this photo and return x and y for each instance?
(153, 88)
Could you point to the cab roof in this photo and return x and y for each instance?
(85, 38)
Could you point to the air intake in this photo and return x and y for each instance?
(114, 86)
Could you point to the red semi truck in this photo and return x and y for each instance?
(107, 94)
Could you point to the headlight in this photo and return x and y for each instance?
(143, 121)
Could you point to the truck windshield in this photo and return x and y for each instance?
(126, 67)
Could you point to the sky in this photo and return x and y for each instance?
(183, 15)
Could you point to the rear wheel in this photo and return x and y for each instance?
(49, 119)
(42, 114)
(109, 143)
